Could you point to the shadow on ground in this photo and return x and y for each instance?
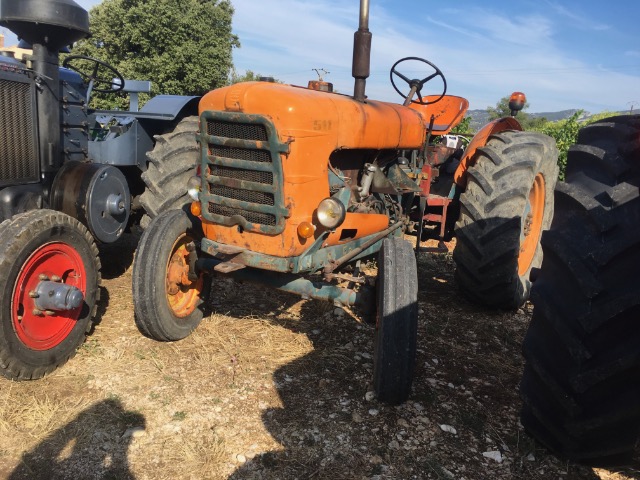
(467, 373)
(93, 445)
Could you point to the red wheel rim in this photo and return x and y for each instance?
(48, 329)
(183, 295)
(532, 225)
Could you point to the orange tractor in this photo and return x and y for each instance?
(298, 186)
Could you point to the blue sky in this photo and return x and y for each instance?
(569, 54)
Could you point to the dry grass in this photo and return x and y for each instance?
(270, 386)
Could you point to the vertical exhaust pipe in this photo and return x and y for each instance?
(361, 53)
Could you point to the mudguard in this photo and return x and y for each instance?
(128, 143)
(479, 140)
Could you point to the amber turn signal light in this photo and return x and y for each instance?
(517, 102)
(306, 230)
(196, 209)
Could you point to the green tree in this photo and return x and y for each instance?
(248, 76)
(527, 121)
(183, 46)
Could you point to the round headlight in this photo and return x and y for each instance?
(331, 213)
(193, 187)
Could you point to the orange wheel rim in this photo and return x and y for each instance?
(531, 225)
(183, 295)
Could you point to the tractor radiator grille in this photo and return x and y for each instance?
(242, 158)
(18, 142)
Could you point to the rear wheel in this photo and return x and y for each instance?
(507, 204)
(166, 300)
(397, 321)
(580, 388)
(172, 162)
(49, 283)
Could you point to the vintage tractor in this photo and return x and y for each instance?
(298, 186)
(580, 388)
(67, 175)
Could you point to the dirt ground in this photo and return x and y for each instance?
(274, 387)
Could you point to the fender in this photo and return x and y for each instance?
(478, 141)
(128, 145)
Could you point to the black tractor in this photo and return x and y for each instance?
(70, 178)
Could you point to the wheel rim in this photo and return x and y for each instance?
(531, 225)
(183, 295)
(45, 330)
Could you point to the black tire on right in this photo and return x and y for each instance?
(581, 383)
(154, 316)
(397, 321)
(173, 160)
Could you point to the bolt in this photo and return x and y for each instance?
(43, 277)
(33, 294)
(49, 313)
(56, 278)
(37, 312)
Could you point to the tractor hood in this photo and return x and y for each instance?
(342, 122)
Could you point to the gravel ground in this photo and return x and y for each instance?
(274, 387)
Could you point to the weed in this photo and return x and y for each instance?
(179, 416)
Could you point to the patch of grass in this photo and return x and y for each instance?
(91, 348)
(179, 416)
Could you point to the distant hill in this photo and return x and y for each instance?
(481, 117)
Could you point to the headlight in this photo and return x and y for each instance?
(331, 213)
(193, 187)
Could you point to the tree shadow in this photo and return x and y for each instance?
(329, 426)
(93, 445)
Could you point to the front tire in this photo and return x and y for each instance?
(397, 321)
(167, 304)
(38, 246)
(507, 204)
(580, 388)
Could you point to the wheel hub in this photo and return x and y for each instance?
(183, 294)
(48, 296)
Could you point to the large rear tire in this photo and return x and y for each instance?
(397, 321)
(507, 204)
(44, 251)
(581, 388)
(172, 162)
(167, 304)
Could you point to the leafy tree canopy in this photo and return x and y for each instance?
(183, 46)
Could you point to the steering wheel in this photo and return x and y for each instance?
(83, 65)
(415, 84)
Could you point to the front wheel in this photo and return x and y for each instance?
(166, 300)
(507, 204)
(49, 285)
(397, 321)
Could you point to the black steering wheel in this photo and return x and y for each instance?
(82, 65)
(415, 84)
